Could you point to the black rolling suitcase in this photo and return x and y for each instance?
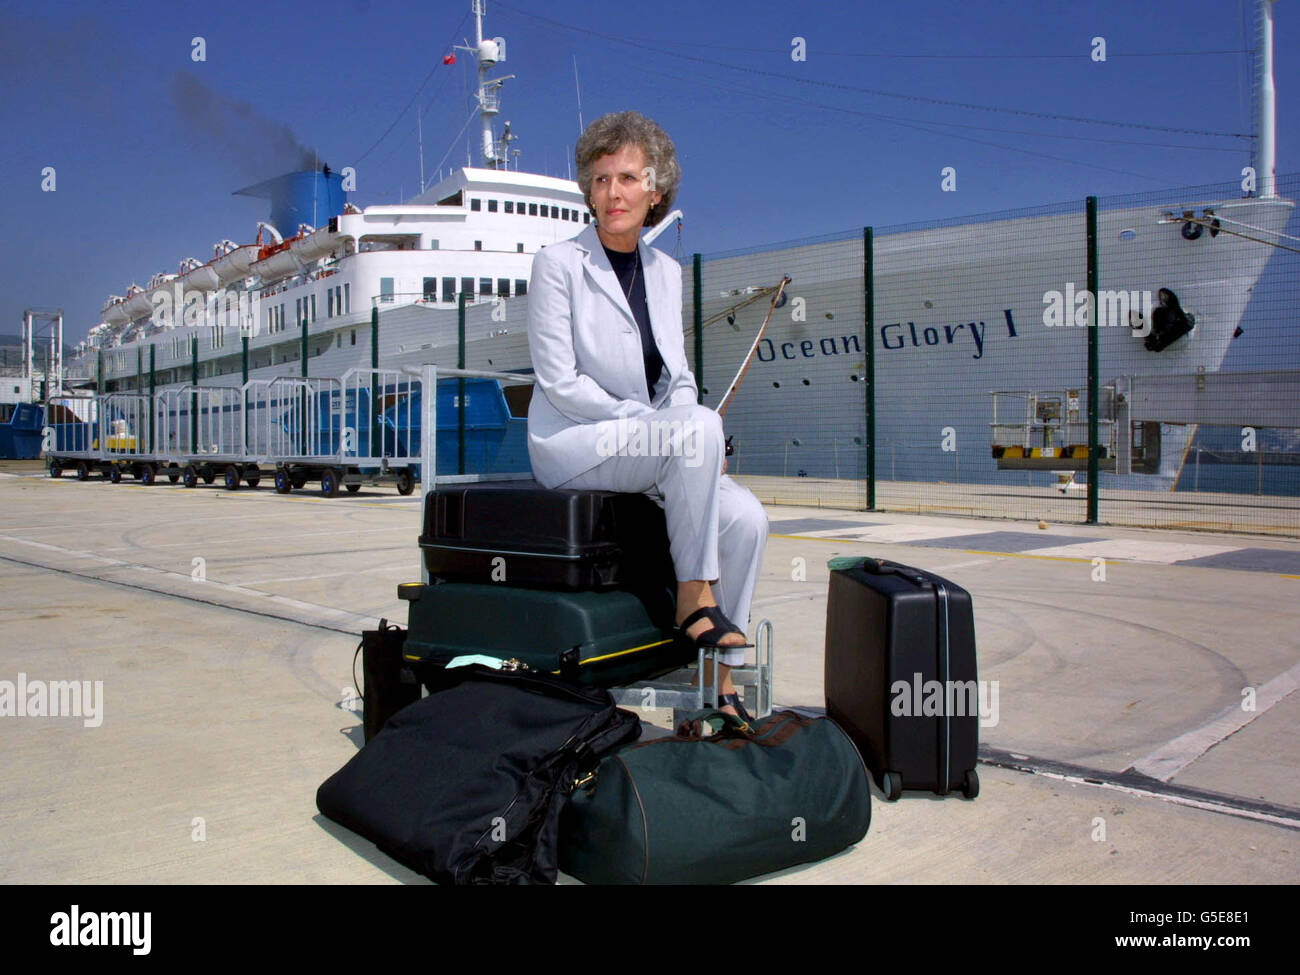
(521, 534)
(901, 674)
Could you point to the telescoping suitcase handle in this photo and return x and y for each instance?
(883, 567)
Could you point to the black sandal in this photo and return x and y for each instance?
(735, 701)
(708, 640)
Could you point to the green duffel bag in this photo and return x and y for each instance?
(690, 809)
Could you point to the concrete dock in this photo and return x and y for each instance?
(1146, 728)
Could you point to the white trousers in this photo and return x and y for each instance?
(717, 530)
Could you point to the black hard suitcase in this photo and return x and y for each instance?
(901, 674)
(519, 533)
(596, 638)
(467, 785)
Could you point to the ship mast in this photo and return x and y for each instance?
(1266, 99)
(489, 52)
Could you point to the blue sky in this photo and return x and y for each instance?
(772, 149)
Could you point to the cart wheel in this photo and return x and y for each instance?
(190, 476)
(405, 481)
(115, 474)
(209, 476)
(329, 484)
(56, 470)
(147, 474)
(298, 482)
(173, 473)
(353, 488)
(230, 476)
(283, 483)
(83, 470)
(891, 784)
(254, 478)
(970, 784)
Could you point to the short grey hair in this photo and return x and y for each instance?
(610, 133)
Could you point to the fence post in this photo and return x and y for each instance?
(697, 299)
(1094, 365)
(460, 387)
(374, 381)
(868, 345)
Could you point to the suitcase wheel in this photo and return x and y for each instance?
(970, 784)
(891, 784)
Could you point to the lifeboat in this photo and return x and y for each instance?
(233, 261)
(114, 310)
(137, 303)
(311, 245)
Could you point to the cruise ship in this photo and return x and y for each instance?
(963, 314)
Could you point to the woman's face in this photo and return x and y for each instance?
(622, 192)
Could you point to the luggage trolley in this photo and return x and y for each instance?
(202, 429)
(116, 438)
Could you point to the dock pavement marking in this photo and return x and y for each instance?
(1175, 755)
(313, 614)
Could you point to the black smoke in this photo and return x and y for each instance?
(258, 146)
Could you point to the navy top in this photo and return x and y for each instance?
(625, 264)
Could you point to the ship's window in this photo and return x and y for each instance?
(354, 336)
(485, 286)
(521, 287)
(433, 245)
(519, 207)
(566, 213)
(510, 206)
(586, 218)
(430, 289)
(476, 204)
(503, 287)
(555, 213)
(329, 302)
(338, 341)
(519, 248)
(385, 289)
(478, 245)
(313, 308)
(532, 209)
(492, 206)
(467, 286)
(448, 289)
(347, 298)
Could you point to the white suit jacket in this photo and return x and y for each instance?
(586, 352)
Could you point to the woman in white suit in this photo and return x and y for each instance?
(618, 410)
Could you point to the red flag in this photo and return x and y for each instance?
(449, 59)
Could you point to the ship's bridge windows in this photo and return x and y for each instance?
(510, 206)
(476, 204)
(430, 289)
(503, 287)
(448, 289)
(532, 209)
(521, 287)
(492, 206)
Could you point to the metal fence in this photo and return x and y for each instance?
(995, 365)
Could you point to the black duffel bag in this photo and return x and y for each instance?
(466, 785)
(690, 809)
